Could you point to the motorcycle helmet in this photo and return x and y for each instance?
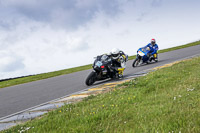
(115, 52)
(153, 41)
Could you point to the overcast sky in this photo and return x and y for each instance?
(38, 36)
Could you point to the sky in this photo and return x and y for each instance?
(43, 36)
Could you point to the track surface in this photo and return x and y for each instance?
(20, 97)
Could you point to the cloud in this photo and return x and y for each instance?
(42, 36)
(156, 3)
(10, 62)
(34, 47)
(68, 14)
(76, 44)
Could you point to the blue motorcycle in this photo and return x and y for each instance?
(143, 56)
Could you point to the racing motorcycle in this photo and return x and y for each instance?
(143, 56)
(103, 69)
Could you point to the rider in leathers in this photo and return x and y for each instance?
(119, 59)
(153, 50)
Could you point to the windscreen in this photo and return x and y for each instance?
(104, 58)
(145, 49)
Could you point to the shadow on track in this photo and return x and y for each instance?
(151, 63)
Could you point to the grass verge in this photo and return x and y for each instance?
(22, 80)
(167, 100)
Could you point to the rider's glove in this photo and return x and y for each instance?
(148, 54)
(126, 58)
(121, 59)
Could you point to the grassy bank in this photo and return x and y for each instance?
(167, 100)
(71, 70)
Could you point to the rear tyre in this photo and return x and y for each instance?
(156, 59)
(91, 78)
(135, 62)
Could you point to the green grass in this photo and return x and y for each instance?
(72, 70)
(167, 100)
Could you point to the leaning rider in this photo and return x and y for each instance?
(119, 59)
(153, 49)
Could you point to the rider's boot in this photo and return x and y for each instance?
(155, 57)
(120, 72)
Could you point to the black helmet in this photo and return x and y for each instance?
(153, 41)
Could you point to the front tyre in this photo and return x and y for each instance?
(91, 78)
(135, 62)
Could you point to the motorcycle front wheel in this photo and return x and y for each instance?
(91, 78)
(135, 62)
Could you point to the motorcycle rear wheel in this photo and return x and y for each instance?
(91, 78)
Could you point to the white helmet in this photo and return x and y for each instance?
(115, 52)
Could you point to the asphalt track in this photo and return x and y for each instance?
(20, 97)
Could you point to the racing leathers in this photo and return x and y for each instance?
(153, 50)
(119, 64)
